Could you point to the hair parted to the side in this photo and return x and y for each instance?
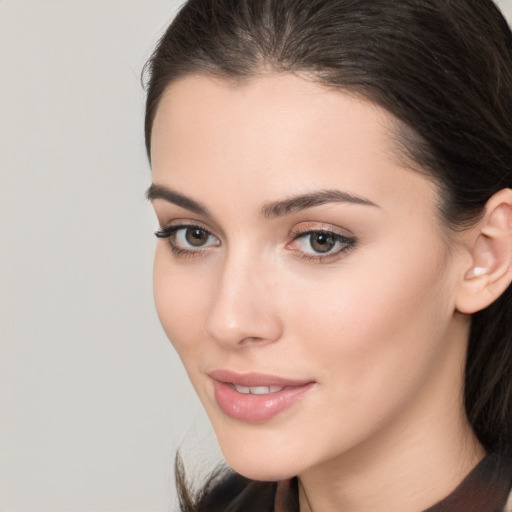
(443, 68)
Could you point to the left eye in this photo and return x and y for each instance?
(319, 243)
(187, 238)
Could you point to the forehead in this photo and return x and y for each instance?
(273, 136)
(272, 110)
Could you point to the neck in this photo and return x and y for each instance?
(410, 464)
(382, 481)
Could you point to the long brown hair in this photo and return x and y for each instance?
(442, 67)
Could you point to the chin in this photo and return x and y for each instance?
(266, 471)
(266, 451)
(259, 458)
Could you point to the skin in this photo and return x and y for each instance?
(375, 327)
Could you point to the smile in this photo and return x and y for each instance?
(255, 398)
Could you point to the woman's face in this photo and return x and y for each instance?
(304, 279)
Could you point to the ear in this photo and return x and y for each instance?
(489, 244)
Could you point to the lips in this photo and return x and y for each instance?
(254, 397)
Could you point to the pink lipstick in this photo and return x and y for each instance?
(256, 397)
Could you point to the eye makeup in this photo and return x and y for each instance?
(322, 245)
(187, 239)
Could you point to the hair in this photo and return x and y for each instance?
(442, 68)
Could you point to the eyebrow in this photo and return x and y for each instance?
(305, 201)
(171, 196)
(269, 210)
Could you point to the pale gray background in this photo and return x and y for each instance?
(93, 401)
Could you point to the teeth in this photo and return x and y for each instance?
(258, 390)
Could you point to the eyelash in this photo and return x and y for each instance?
(347, 243)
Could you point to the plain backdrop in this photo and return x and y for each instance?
(93, 401)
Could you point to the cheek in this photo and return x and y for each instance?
(179, 301)
(379, 320)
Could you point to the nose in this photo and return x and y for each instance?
(243, 309)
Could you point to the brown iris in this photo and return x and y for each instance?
(322, 242)
(196, 236)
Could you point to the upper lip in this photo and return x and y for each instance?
(255, 379)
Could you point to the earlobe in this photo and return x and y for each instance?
(490, 248)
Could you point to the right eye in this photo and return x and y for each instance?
(188, 239)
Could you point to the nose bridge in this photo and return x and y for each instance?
(242, 308)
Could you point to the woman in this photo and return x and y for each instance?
(333, 181)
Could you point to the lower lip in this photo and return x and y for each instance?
(256, 408)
